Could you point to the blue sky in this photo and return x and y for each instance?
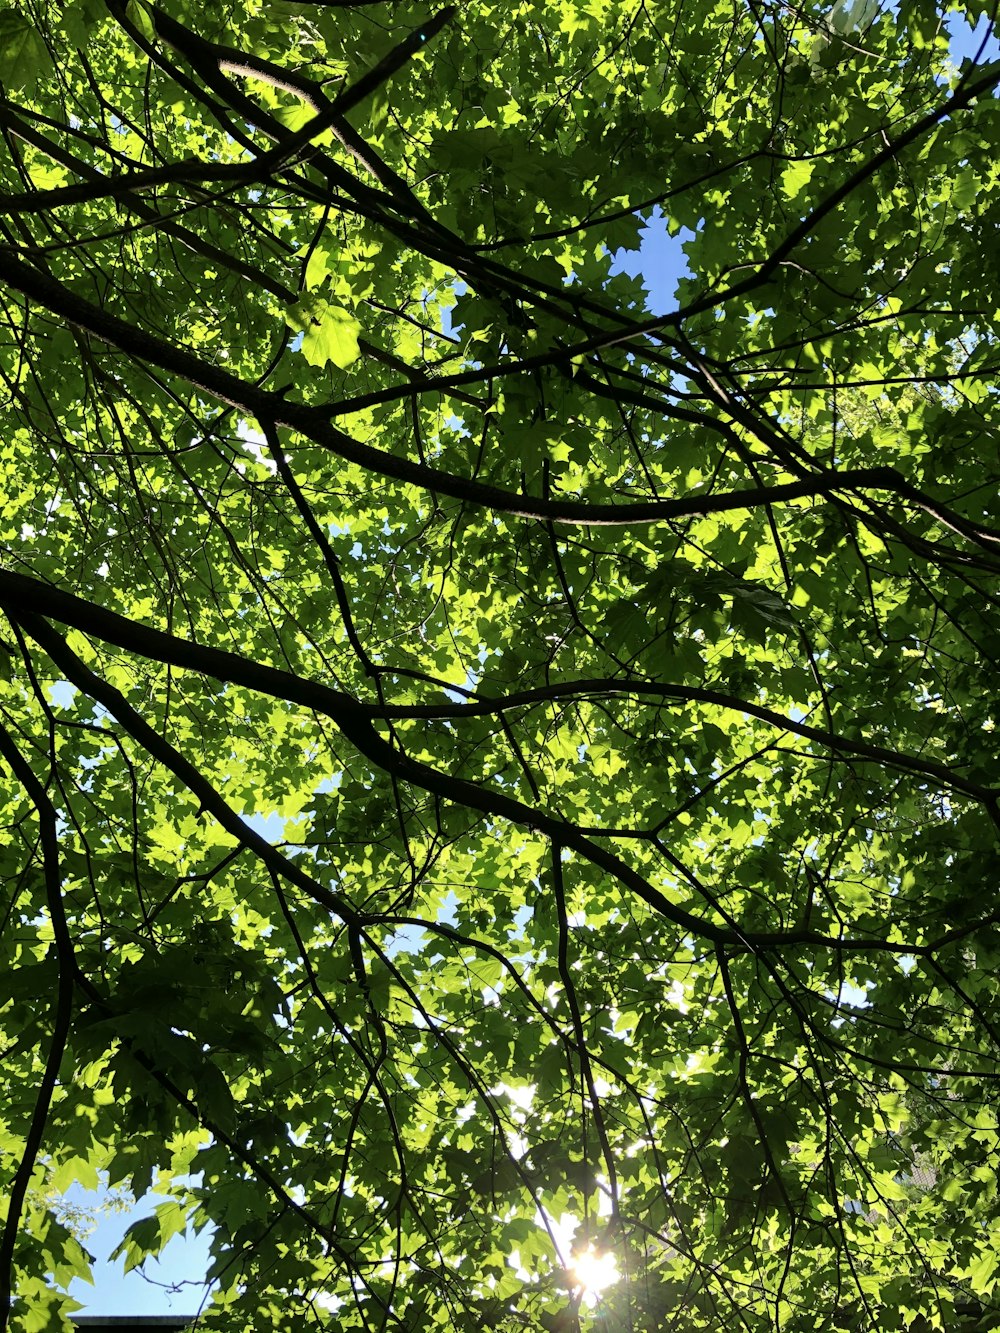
(660, 262)
(167, 1288)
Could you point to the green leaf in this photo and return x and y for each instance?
(329, 333)
(965, 189)
(531, 790)
(80, 20)
(140, 16)
(24, 57)
(795, 177)
(981, 1278)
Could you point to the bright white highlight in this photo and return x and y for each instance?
(594, 1272)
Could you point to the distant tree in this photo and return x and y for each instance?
(82, 1213)
(479, 758)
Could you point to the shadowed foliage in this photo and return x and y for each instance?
(488, 772)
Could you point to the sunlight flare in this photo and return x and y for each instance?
(594, 1271)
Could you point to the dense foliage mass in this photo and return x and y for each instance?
(479, 758)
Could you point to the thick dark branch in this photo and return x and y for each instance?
(62, 1012)
(212, 59)
(205, 60)
(117, 188)
(159, 748)
(352, 722)
(123, 187)
(23, 596)
(602, 687)
(27, 600)
(309, 421)
(965, 94)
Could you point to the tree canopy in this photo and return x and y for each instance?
(491, 774)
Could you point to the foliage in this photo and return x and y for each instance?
(83, 1212)
(476, 754)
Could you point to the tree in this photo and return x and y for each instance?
(477, 755)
